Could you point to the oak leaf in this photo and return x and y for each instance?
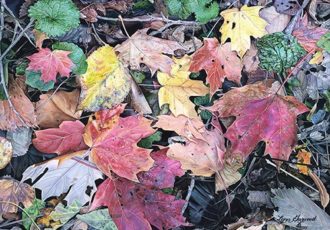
(307, 34)
(240, 25)
(134, 206)
(218, 61)
(9, 120)
(106, 82)
(52, 109)
(260, 115)
(50, 63)
(67, 138)
(178, 87)
(115, 149)
(15, 192)
(142, 48)
(64, 173)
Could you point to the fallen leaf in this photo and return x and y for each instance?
(98, 219)
(240, 25)
(276, 22)
(14, 192)
(135, 207)
(20, 139)
(67, 138)
(250, 60)
(218, 61)
(303, 157)
(50, 63)
(307, 34)
(64, 173)
(6, 152)
(9, 120)
(106, 82)
(52, 109)
(114, 149)
(142, 48)
(260, 115)
(89, 13)
(289, 7)
(64, 214)
(324, 195)
(178, 87)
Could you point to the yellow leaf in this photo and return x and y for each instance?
(317, 58)
(304, 157)
(239, 25)
(106, 82)
(177, 88)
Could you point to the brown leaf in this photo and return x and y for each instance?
(90, 12)
(15, 192)
(141, 48)
(276, 22)
(324, 195)
(9, 120)
(62, 106)
(250, 60)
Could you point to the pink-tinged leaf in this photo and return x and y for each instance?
(50, 63)
(218, 61)
(67, 138)
(133, 206)
(307, 34)
(163, 173)
(260, 116)
(115, 149)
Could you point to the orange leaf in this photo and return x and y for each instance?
(303, 157)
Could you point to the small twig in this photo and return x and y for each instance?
(97, 36)
(293, 22)
(190, 189)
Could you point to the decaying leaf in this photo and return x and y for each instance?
(98, 219)
(63, 173)
(67, 138)
(229, 175)
(50, 63)
(15, 192)
(276, 22)
(324, 195)
(9, 120)
(6, 152)
(20, 139)
(52, 109)
(260, 115)
(240, 25)
(106, 82)
(218, 61)
(178, 87)
(64, 214)
(142, 48)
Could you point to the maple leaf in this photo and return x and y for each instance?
(218, 61)
(64, 173)
(9, 120)
(68, 137)
(52, 109)
(162, 174)
(307, 34)
(50, 63)
(106, 82)
(240, 25)
(115, 149)
(16, 192)
(177, 88)
(260, 115)
(204, 154)
(6, 152)
(134, 206)
(142, 48)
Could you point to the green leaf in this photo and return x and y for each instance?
(204, 101)
(21, 67)
(33, 80)
(77, 56)
(204, 10)
(55, 17)
(64, 214)
(99, 219)
(324, 42)
(33, 211)
(147, 142)
(278, 52)
(138, 76)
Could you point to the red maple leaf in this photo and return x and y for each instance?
(218, 61)
(260, 115)
(67, 138)
(50, 63)
(307, 35)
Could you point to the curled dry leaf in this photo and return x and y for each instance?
(9, 120)
(141, 48)
(67, 138)
(52, 109)
(324, 195)
(15, 192)
(178, 87)
(218, 61)
(6, 152)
